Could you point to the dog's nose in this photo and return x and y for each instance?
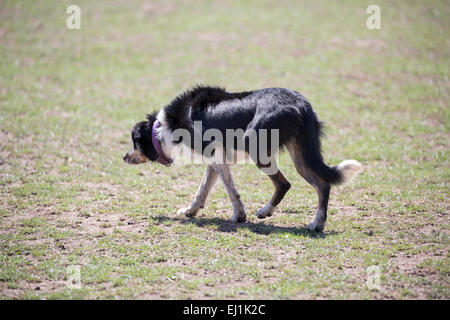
(125, 157)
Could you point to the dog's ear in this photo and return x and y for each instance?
(151, 118)
(147, 126)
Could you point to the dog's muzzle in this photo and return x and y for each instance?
(134, 157)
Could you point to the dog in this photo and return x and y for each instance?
(280, 110)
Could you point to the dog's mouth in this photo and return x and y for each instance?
(135, 157)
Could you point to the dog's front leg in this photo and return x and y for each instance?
(224, 172)
(208, 181)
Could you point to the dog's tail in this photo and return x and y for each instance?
(309, 142)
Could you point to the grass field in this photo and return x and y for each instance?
(68, 99)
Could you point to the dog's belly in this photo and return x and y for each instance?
(214, 154)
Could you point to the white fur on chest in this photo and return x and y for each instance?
(186, 154)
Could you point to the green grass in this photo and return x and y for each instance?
(68, 99)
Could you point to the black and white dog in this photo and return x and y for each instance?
(276, 110)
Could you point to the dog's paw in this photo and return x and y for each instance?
(238, 217)
(188, 212)
(266, 211)
(314, 226)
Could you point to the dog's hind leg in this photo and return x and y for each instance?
(223, 170)
(322, 187)
(281, 187)
(208, 181)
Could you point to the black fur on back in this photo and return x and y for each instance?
(198, 98)
(272, 108)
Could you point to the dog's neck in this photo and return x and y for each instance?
(157, 145)
(164, 135)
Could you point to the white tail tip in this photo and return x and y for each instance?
(349, 168)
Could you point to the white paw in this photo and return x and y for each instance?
(315, 226)
(266, 211)
(238, 217)
(188, 212)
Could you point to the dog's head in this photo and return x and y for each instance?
(143, 149)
